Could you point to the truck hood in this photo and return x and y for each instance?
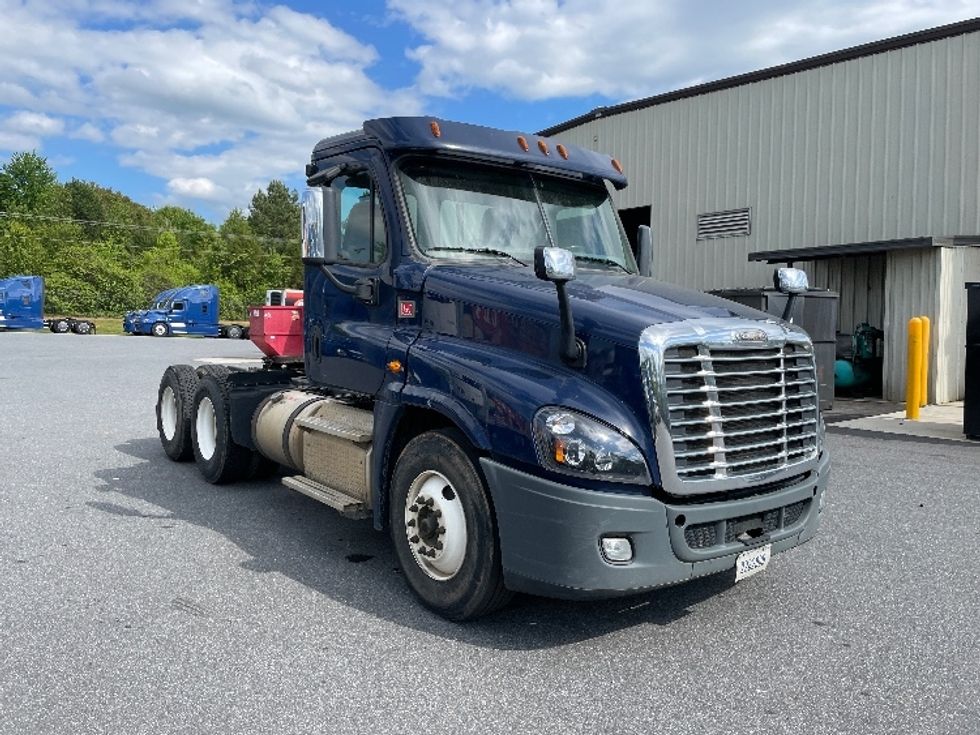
(497, 303)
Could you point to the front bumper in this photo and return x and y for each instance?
(550, 532)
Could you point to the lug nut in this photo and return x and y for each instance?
(441, 530)
(438, 545)
(413, 509)
(438, 514)
(414, 539)
(411, 522)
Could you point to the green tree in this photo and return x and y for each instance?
(27, 184)
(163, 266)
(274, 216)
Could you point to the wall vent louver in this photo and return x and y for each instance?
(733, 223)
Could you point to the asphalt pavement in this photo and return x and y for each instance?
(136, 598)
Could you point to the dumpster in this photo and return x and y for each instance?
(971, 400)
(277, 330)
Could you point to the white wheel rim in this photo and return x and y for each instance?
(168, 413)
(435, 525)
(207, 429)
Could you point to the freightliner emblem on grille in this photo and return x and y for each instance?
(751, 335)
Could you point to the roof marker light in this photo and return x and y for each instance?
(617, 165)
(522, 142)
(562, 151)
(543, 147)
(434, 127)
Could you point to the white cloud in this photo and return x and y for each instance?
(24, 130)
(198, 188)
(230, 94)
(543, 49)
(87, 131)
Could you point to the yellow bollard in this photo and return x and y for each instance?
(913, 376)
(924, 385)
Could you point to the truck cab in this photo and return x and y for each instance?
(22, 302)
(491, 376)
(189, 310)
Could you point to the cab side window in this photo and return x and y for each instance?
(363, 238)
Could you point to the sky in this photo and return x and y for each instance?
(201, 103)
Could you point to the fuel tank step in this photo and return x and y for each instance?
(336, 419)
(344, 504)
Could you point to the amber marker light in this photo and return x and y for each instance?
(395, 366)
(543, 147)
(522, 142)
(559, 452)
(562, 151)
(436, 130)
(617, 165)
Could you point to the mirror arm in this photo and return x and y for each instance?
(572, 349)
(644, 250)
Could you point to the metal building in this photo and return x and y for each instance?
(862, 166)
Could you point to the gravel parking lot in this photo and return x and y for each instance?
(136, 598)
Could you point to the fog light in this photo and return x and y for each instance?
(617, 549)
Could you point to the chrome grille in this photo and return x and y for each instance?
(734, 410)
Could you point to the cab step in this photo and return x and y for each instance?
(342, 421)
(341, 502)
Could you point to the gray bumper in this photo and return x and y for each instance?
(550, 533)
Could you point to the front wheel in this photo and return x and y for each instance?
(60, 326)
(443, 528)
(235, 332)
(159, 330)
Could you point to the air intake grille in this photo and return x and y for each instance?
(734, 223)
(737, 411)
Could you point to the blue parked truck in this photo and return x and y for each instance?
(188, 310)
(492, 377)
(22, 307)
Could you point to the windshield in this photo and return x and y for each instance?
(463, 211)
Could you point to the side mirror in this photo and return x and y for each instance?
(791, 280)
(644, 250)
(312, 226)
(558, 266)
(554, 264)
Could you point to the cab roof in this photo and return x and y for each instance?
(444, 137)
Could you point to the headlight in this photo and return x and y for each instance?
(575, 444)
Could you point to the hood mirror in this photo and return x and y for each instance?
(554, 264)
(791, 280)
(558, 266)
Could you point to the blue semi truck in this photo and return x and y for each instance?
(22, 307)
(494, 379)
(188, 310)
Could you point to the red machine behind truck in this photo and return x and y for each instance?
(490, 376)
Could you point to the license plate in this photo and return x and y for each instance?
(752, 562)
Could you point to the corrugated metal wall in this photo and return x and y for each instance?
(860, 281)
(959, 265)
(876, 148)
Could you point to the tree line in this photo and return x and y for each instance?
(101, 253)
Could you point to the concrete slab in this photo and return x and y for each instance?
(943, 422)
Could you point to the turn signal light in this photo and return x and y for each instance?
(395, 366)
(617, 165)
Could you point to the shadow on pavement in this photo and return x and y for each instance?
(348, 561)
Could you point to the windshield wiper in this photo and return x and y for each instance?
(604, 261)
(483, 251)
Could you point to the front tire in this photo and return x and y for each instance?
(443, 527)
(235, 332)
(175, 398)
(159, 329)
(60, 326)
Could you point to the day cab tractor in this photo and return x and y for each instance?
(489, 375)
(22, 307)
(185, 311)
